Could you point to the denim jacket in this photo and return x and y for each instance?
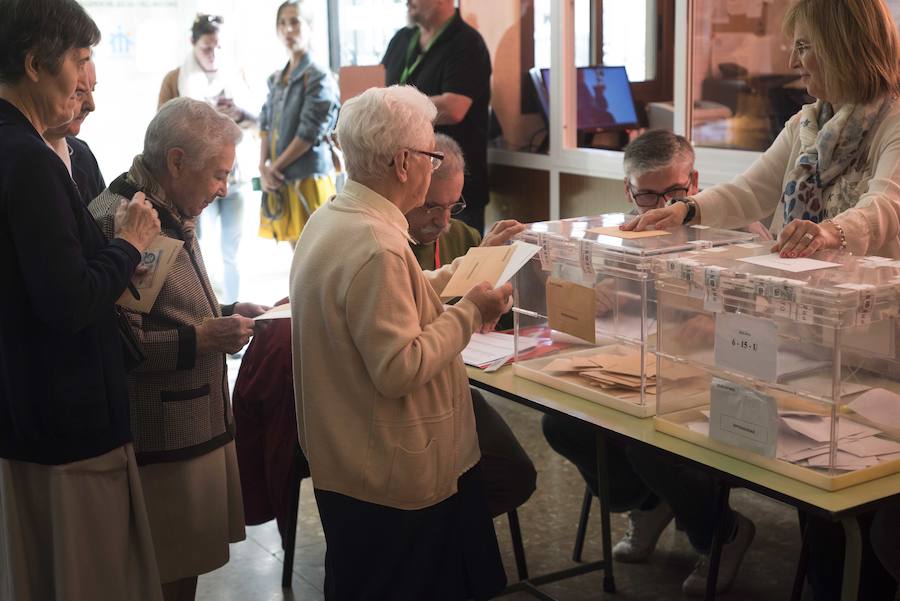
(307, 108)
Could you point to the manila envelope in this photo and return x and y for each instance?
(572, 309)
(158, 258)
(481, 264)
(615, 232)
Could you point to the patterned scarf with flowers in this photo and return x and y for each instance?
(833, 149)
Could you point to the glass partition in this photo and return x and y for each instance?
(743, 87)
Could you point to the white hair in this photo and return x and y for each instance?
(191, 125)
(375, 125)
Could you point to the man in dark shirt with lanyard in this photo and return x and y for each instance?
(447, 59)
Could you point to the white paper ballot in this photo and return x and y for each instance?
(879, 406)
(743, 418)
(747, 344)
(522, 253)
(870, 446)
(795, 265)
(279, 312)
(819, 430)
(843, 461)
(486, 349)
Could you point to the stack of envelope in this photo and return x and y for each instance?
(616, 368)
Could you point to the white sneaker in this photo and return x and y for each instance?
(644, 529)
(732, 555)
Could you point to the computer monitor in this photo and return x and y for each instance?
(604, 97)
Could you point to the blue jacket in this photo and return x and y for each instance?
(307, 108)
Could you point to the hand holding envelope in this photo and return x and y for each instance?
(156, 261)
(495, 265)
(491, 302)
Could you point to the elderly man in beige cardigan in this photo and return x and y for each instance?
(383, 404)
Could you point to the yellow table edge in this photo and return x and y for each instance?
(642, 429)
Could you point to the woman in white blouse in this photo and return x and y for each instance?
(832, 177)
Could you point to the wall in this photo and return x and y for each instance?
(504, 25)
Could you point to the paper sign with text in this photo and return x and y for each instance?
(743, 417)
(748, 345)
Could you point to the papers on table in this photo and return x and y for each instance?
(156, 261)
(491, 351)
(279, 312)
(494, 264)
(795, 265)
(615, 366)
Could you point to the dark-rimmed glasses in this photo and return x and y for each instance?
(455, 209)
(436, 157)
(650, 199)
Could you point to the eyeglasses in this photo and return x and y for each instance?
(455, 209)
(436, 157)
(650, 199)
(802, 48)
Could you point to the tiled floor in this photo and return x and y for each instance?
(548, 521)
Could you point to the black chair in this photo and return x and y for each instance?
(582, 523)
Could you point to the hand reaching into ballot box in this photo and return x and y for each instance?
(136, 222)
(224, 334)
(501, 232)
(491, 302)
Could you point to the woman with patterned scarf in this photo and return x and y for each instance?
(832, 177)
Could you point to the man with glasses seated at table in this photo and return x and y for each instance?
(439, 238)
(651, 487)
(508, 473)
(659, 167)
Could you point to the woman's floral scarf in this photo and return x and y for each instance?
(833, 147)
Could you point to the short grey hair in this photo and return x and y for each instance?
(191, 125)
(454, 162)
(656, 149)
(375, 125)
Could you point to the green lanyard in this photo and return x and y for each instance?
(407, 68)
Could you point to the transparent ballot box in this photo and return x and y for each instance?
(585, 308)
(790, 364)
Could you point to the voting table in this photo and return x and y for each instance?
(842, 505)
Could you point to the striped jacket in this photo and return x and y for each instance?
(180, 406)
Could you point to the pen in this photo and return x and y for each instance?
(134, 292)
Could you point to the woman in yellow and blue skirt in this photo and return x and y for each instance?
(296, 165)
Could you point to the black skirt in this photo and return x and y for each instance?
(446, 552)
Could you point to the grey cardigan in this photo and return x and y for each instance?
(306, 107)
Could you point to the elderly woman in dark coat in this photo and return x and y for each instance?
(72, 519)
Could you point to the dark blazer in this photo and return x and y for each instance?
(63, 396)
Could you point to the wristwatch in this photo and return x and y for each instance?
(691, 208)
